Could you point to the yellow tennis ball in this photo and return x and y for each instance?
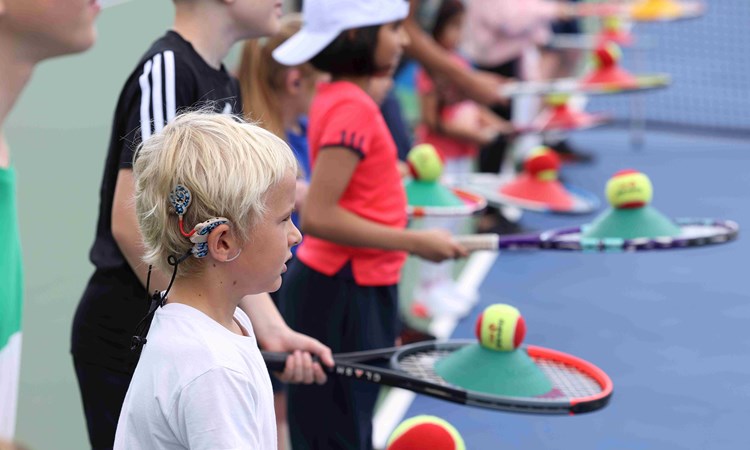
(556, 99)
(607, 54)
(425, 432)
(629, 189)
(500, 327)
(425, 163)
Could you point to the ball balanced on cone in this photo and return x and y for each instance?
(497, 364)
(542, 164)
(500, 327)
(607, 54)
(629, 189)
(631, 216)
(425, 163)
(425, 432)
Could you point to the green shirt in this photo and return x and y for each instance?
(11, 270)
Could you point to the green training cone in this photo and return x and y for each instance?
(644, 222)
(479, 369)
(430, 193)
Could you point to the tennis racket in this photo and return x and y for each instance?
(471, 204)
(575, 86)
(488, 186)
(695, 233)
(578, 385)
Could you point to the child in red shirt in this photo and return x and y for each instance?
(342, 288)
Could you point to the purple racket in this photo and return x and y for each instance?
(695, 233)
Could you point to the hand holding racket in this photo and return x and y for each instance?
(435, 245)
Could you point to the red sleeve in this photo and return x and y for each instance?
(424, 82)
(350, 125)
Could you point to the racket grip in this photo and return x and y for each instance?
(276, 361)
(476, 242)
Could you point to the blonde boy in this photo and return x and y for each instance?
(181, 70)
(201, 381)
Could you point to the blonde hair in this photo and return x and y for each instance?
(227, 164)
(262, 78)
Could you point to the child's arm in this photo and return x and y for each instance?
(275, 335)
(325, 219)
(467, 132)
(488, 118)
(481, 86)
(516, 19)
(127, 234)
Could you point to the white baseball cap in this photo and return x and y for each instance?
(324, 20)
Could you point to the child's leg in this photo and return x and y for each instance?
(346, 317)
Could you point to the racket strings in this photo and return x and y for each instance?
(568, 382)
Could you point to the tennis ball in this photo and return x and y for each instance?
(629, 189)
(500, 327)
(556, 99)
(612, 23)
(542, 163)
(425, 432)
(607, 54)
(425, 162)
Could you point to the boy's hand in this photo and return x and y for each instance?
(300, 368)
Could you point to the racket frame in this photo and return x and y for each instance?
(349, 365)
(548, 240)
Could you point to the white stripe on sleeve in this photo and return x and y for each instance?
(156, 97)
(169, 88)
(145, 103)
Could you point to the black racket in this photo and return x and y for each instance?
(695, 233)
(578, 385)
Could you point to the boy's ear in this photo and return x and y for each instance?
(293, 80)
(222, 245)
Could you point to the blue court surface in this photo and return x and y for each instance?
(669, 327)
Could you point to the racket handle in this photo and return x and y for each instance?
(476, 242)
(276, 361)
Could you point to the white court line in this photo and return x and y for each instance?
(397, 402)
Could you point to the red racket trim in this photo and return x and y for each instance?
(581, 364)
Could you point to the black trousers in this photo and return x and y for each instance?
(346, 317)
(491, 156)
(102, 393)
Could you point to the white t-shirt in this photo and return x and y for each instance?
(198, 386)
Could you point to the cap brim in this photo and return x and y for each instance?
(303, 46)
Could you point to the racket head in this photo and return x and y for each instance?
(488, 186)
(574, 86)
(594, 121)
(642, 83)
(695, 233)
(578, 385)
(472, 203)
